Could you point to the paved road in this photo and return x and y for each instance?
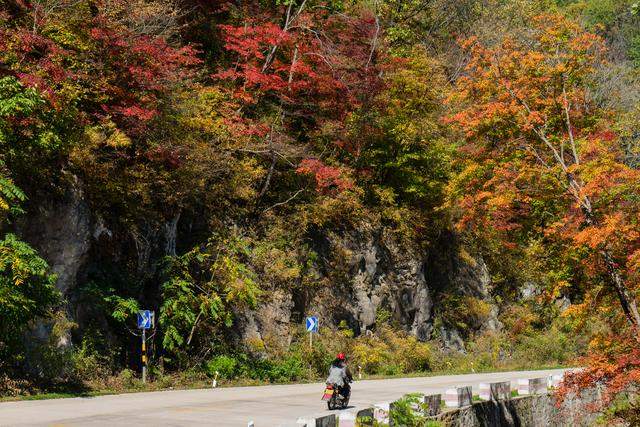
(277, 405)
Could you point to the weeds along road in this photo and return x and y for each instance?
(276, 405)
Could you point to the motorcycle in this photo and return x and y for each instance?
(335, 399)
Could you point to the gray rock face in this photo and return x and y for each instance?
(365, 272)
(268, 324)
(61, 232)
(371, 271)
(360, 274)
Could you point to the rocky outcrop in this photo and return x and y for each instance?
(60, 229)
(359, 274)
(367, 272)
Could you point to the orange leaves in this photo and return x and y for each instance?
(613, 227)
(550, 166)
(522, 85)
(613, 370)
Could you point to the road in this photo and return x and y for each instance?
(275, 405)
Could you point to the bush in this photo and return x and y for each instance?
(88, 365)
(290, 369)
(128, 378)
(391, 352)
(226, 367)
(408, 412)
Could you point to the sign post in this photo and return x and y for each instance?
(145, 321)
(312, 327)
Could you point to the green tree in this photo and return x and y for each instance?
(202, 289)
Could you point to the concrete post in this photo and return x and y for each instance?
(326, 421)
(554, 381)
(432, 404)
(529, 386)
(484, 391)
(500, 391)
(365, 418)
(465, 396)
(458, 397)
(347, 419)
(381, 412)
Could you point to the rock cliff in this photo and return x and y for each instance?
(360, 273)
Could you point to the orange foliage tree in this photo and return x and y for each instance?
(538, 145)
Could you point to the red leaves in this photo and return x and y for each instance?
(250, 39)
(270, 61)
(328, 178)
(318, 64)
(120, 74)
(612, 372)
(137, 72)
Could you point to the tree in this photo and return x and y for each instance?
(202, 290)
(533, 134)
(297, 71)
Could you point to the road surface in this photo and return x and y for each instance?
(275, 405)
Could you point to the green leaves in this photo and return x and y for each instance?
(123, 308)
(15, 99)
(27, 290)
(10, 196)
(203, 289)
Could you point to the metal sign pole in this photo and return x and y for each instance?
(311, 340)
(144, 356)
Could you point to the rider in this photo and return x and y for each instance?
(340, 375)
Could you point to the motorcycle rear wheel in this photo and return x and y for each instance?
(331, 403)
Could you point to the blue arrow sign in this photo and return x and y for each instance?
(312, 324)
(145, 319)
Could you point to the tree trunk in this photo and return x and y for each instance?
(627, 301)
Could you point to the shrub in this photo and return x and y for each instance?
(127, 378)
(226, 366)
(407, 411)
(88, 365)
(290, 369)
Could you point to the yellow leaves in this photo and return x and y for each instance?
(206, 111)
(108, 135)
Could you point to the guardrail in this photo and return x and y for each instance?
(432, 405)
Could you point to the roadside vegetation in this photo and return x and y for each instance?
(208, 148)
(386, 353)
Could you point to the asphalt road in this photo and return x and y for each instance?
(276, 405)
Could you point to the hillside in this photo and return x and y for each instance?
(449, 186)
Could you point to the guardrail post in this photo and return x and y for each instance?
(364, 417)
(554, 381)
(432, 404)
(381, 412)
(326, 421)
(528, 386)
(500, 391)
(458, 397)
(347, 419)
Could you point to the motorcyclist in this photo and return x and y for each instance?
(340, 375)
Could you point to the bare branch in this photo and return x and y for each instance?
(285, 202)
(565, 107)
(374, 42)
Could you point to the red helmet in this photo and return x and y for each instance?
(340, 356)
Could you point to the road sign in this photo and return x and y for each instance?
(145, 319)
(312, 324)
